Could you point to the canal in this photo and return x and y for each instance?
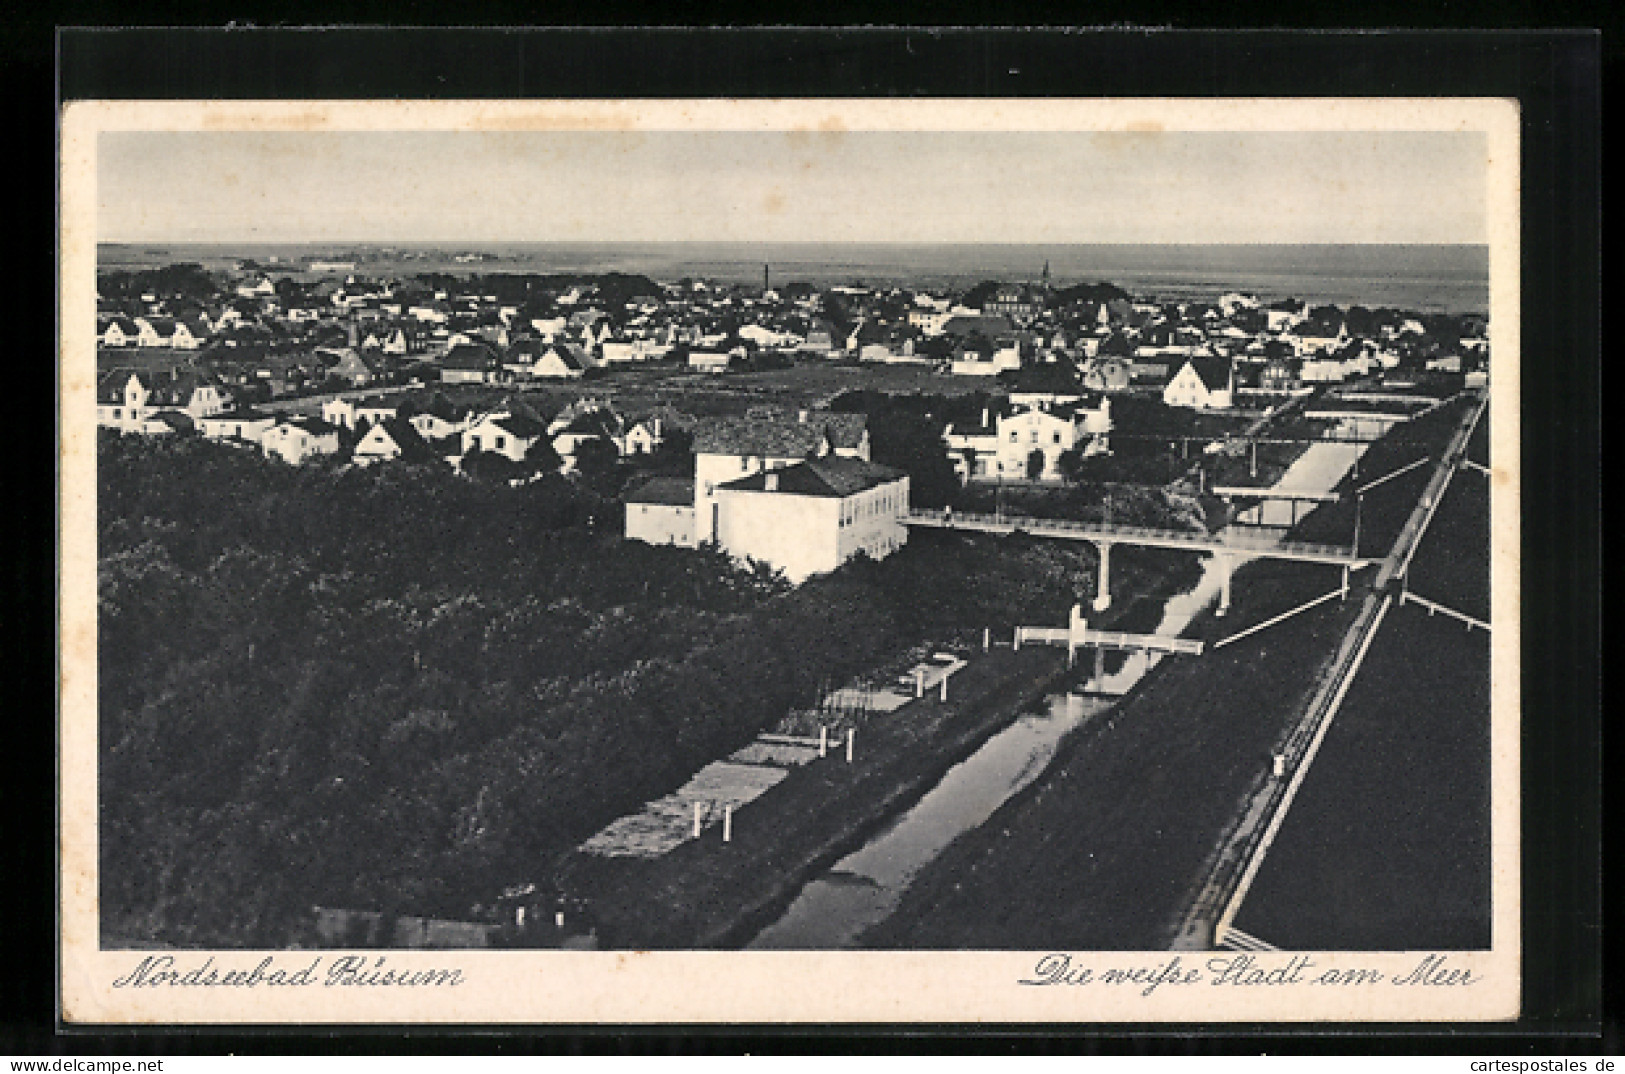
(858, 892)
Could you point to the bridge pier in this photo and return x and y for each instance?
(1100, 664)
(1103, 583)
(1227, 567)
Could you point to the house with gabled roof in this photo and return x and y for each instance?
(348, 413)
(347, 364)
(560, 360)
(391, 439)
(726, 449)
(294, 439)
(189, 333)
(1025, 439)
(127, 397)
(240, 423)
(600, 423)
(120, 332)
(503, 433)
(434, 417)
(468, 363)
(1202, 383)
(154, 331)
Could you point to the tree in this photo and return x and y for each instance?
(541, 458)
(1035, 464)
(597, 462)
(1070, 464)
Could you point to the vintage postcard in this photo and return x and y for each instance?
(789, 561)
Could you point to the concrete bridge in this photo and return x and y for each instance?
(1228, 547)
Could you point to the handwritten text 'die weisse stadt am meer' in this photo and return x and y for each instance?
(1242, 971)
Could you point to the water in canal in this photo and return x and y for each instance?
(861, 890)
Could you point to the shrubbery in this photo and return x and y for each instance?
(397, 689)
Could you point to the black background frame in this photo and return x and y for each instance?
(1557, 78)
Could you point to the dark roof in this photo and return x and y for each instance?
(242, 413)
(1215, 372)
(164, 388)
(520, 426)
(311, 425)
(831, 476)
(175, 419)
(783, 437)
(595, 423)
(412, 445)
(671, 491)
(570, 354)
(469, 356)
(964, 325)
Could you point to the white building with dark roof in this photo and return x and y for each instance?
(726, 449)
(661, 511)
(295, 439)
(814, 515)
(1202, 384)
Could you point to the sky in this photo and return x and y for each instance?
(710, 186)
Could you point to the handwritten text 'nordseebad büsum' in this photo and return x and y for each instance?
(1245, 971)
(159, 971)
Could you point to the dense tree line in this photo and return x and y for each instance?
(393, 688)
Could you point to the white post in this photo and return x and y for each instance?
(945, 686)
(850, 733)
(1015, 642)
(987, 639)
(558, 919)
(919, 682)
(823, 740)
(1103, 586)
(1343, 594)
(727, 823)
(1227, 562)
(696, 820)
(1278, 763)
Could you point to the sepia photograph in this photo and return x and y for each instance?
(608, 560)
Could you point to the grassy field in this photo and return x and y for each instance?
(1387, 844)
(633, 390)
(1452, 564)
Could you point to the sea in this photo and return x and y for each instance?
(1428, 278)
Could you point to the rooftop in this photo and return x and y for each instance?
(832, 476)
(785, 436)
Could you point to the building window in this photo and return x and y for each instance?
(1057, 437)
(117, 413)
(501, 442)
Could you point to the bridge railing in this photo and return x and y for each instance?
(1240, 542)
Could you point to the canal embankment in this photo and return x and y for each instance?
(1104, 852)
